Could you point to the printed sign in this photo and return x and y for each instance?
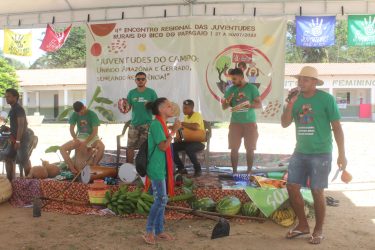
(189, 58)
(17, 44)
(268, 200)
(315, 31)
(361, 30)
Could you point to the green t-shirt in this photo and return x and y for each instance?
(140, 115)
(247, 93)
(313, 117)
(85, 123)
(157, 164)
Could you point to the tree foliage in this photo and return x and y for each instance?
(71, 55)
(8, 77)
(338, 53)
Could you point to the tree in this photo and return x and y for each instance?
(13, 62)
(71, 55)
(8, 77)
(18, 65)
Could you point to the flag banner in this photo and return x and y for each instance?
(268, 200)
(17, 44)
(314, 31)
(361, 30)
(53, 40)
(189, 58)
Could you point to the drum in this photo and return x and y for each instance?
(189, 135)
(127, 173)
(123, 105)
(91, 173)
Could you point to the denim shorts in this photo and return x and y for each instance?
(315, 167)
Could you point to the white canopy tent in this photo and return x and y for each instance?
(37, 13)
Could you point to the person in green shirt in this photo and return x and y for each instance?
(315, 114)
(243, 98)
(159, 148)
(84, 140)
(141, 117)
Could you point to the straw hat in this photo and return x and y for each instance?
(309, 71)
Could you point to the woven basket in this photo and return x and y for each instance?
(5, 189)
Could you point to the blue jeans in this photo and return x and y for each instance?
(314, 166)
(155, 219)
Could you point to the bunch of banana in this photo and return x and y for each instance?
(126, 202)
(122, 202)
(284, 217)
(144, 203)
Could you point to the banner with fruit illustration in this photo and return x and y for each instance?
(188, 58)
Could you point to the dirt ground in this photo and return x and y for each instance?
(349, 226)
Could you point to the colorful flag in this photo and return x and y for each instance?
(17, 44)
(361, 30)
(53, 40)
(315, 31)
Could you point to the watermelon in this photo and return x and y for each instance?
(229, 205)
(250, 209)
(204, 204)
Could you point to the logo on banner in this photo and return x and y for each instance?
(17, 44)
(361, 30)
(103, 30)
(315, 31)
(53, 40)
(254, 63)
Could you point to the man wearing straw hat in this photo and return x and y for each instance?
(315, 114)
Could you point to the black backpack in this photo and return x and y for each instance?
(141, 160)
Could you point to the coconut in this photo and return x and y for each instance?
(52, 169)
(5, 189)
(38, 172)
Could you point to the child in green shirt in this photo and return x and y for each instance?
(159, 158)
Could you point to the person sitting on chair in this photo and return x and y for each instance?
(193, 121)
(86, 139)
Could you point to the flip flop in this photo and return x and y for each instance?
(295, 233)
(316, 240)
(330, 198)
(148, 241)
(332, 202)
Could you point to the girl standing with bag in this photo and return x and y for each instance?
(160, 156)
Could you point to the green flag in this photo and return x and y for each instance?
(361, 30)
(268, 200)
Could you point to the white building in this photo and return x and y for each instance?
(49, 91)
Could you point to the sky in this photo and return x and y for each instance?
(37, 40)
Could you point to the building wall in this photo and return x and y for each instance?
(46, 101)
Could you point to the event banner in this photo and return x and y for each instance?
(361, 30)
(315, 31)
(189, 58)
(17, 44)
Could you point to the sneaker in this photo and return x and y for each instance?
(182, 171)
